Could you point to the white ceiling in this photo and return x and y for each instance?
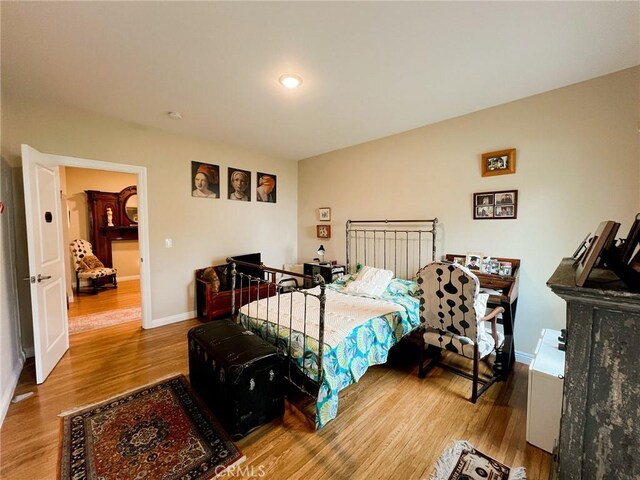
(370, 69)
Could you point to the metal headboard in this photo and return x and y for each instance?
(403, 246)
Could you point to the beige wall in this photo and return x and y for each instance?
(125, 253)
(204, 231)
(578, 163)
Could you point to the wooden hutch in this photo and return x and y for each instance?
(124, 207)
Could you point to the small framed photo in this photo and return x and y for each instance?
(473, 261)
(505, 268)
(495, 205)
(501, 162)
(324, 214)
(459, 261)
(323, 231)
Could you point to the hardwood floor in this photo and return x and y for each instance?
(390, 425)
(127, 295)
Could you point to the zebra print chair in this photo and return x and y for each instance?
(453, 316)
(89, 267)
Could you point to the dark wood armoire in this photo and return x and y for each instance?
(600, 424)
(124, 210)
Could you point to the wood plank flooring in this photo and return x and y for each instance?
(390, 425)
(127, 295)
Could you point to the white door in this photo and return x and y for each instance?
(46, 259)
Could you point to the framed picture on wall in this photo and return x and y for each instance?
(205, 180)
(239, 185)
(267, 187)
(323, 231)
(325, 214)
(495, 205)
(501, 162)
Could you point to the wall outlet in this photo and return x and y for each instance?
(168, 243)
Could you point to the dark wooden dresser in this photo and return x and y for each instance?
(600, 424)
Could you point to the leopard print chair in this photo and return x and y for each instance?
(452, 315)
(89, 267)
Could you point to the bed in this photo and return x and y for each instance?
(331, 334)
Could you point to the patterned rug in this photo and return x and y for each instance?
(463, 462)
(160, 431)
(82, 323)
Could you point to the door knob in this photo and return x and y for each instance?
(41, 277)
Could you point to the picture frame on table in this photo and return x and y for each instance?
(473, 261)
(324, 213)
(600, 238)
(460, 261)
(501, 162)
(506, 269)
(498, 205)
(584, 245)
(632, 242)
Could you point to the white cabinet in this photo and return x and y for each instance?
(546, 378)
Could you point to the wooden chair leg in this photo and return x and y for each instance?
(421, 370)
(476, 361)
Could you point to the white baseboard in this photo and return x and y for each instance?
(29, 352)
(524, 357)
(7, 395)
(159, 322)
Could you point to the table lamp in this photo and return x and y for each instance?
(321, 252)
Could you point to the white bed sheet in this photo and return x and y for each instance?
(343, 312)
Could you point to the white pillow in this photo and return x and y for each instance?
(370, 281)
(360, 288)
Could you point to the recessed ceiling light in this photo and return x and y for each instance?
(290, 80)
(175, 115)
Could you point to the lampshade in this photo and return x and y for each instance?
(321, 250)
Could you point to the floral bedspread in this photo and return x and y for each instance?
(367, 344)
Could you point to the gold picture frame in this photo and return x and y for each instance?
(502, 162)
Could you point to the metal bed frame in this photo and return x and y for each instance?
(379, 243)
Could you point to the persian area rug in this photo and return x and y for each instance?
(463, 462)
(160, 431)
(82, 323)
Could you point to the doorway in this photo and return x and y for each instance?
(86, 220)
(134, 290)
(46, 250)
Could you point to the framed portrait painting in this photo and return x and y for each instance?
(266, 190)
(205, 180)
(239, 185)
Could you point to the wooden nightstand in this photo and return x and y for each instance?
(329, 272)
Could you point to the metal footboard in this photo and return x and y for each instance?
(249, 288)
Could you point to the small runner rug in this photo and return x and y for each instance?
(82, 323)
(160, 431)
(463, 462)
